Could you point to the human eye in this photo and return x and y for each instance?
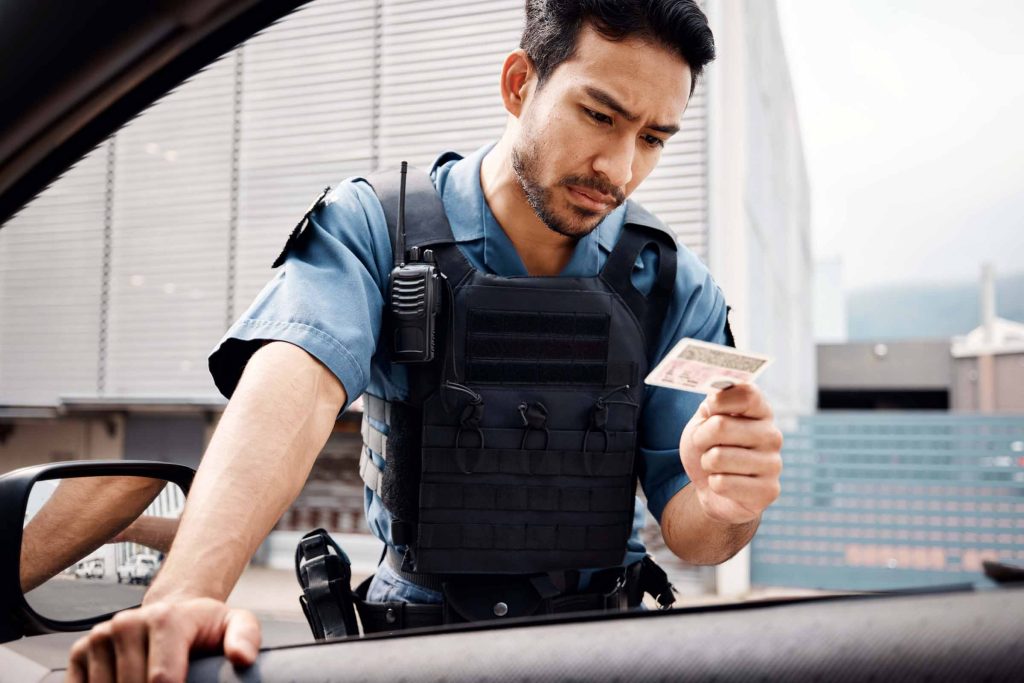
(597, 116)
(653, 141)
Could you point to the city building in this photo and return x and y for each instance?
(891, 375)
(979, 372)
(988, 362)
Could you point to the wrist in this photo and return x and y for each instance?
(728, 519)
(172, 595)
(167, 586)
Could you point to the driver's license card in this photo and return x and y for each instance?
(702, 367)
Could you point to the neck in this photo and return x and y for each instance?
(542, 250)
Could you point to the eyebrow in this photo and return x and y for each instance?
(613, 104)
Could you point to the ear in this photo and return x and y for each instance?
(518, 78)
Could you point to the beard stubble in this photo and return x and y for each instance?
(526, 164)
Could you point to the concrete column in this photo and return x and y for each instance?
(728, 230)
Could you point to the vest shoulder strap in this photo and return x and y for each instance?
(426, 223)
(640, 231)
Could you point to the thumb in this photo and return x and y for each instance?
(703, 411)
(241, 637)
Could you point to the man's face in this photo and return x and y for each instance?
(596, 128)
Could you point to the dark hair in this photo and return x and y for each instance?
(553, 26)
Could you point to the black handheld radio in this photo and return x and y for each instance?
(414, 296)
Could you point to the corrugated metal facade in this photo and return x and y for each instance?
(51, 286)
(203, 188)
(306, 122)
(172, 200)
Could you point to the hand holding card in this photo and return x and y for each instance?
(730, 449)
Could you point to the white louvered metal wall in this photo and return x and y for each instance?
(677, 189)
(307, 122)
(440, 70)
(207, 184)
(51, 257)
(172, 219)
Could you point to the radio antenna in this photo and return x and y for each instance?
(400, 247)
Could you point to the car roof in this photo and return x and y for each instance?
(74, 72)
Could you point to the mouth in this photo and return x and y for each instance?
(590, 199)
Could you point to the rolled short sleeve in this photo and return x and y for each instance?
(326, 298)
(698, 311)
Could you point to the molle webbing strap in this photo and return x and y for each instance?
(540, 498)
(374, 440)
(397, 484)
(377, 409)
(457, 536)
(548, 463)
(371, 475)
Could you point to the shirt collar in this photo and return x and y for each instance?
(471, 219)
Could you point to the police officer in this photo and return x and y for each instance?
(593, 95)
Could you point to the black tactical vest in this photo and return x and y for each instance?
(516, 452)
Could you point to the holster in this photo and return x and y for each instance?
(326, 580)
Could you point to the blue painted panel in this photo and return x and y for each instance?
(874, 501)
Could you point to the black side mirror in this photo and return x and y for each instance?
(81, 541)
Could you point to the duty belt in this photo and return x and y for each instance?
(465, 599)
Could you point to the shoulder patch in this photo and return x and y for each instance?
(299, 228)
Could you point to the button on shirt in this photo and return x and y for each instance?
(328, 299)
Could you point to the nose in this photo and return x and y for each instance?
(615, 161)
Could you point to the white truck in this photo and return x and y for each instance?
(138, 569)
(89, 569)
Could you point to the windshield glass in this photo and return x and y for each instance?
(847, 180)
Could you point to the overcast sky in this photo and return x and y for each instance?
(912, 113)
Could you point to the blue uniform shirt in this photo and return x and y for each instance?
(328, 299)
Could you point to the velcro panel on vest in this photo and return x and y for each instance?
(535, 373)
(538, 348)
(545, 324)
(532, 348)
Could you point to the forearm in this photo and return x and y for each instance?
(81, 515)
(279, 418)
(697, 539)
(153, 532)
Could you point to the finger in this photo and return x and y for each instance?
(743, 432)
(242, 637)
(741, 461)
(169, 641)
(78, 661)
(129, 635)
(752, 493)
(740, 399)
(101, 654)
